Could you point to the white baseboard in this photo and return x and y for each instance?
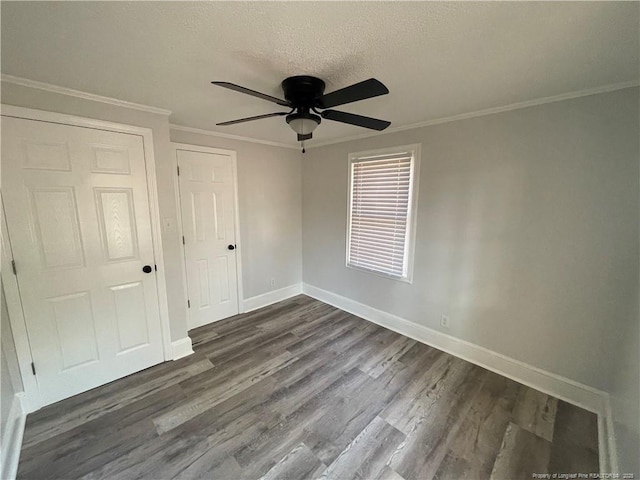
(607, 440)
(269, 298)
(560, 387)
(12, 437)
(181, 348)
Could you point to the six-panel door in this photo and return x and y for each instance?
(207, 200)
(78, 215)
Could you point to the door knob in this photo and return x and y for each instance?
(147, 269)
(231, 247)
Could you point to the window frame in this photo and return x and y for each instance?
(410, 237)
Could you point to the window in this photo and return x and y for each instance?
(382, 197)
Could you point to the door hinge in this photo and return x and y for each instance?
(188, 303)
(183, 242)
(178, 168)
(13, 267)
(33, 368)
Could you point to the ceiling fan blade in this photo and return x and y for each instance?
(353, 119)
(253, 93)
(358, 91)
(302, 138)
(257, 117)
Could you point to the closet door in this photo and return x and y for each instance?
(77, 211)
(207, 197)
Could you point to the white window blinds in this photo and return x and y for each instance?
(380, 212)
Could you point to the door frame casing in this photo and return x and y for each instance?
(17, 322)
(175, 146)
(14, 301)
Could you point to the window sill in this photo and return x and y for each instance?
(407, 279)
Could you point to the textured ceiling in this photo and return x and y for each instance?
(437, 58)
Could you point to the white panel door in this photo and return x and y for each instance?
(207, 198)
(78, 216)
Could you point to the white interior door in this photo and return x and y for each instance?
(207, 198)
(77, 210)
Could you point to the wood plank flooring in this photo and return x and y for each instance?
(302, 390)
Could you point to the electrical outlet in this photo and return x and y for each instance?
(444, 321)
(273, 282)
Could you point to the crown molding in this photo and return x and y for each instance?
(211, 133)
(487, 111)
(25, 82)
(437, 121)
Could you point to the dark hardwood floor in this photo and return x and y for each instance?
(301, 390)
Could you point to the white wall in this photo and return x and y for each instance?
(269, 191)
(527, 231)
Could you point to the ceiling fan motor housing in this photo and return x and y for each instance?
(303, 91)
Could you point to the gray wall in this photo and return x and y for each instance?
(527, 231)
(269, 191)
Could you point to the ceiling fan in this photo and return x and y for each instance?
(305, 96)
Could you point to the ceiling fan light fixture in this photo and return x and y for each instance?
(303, 123)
